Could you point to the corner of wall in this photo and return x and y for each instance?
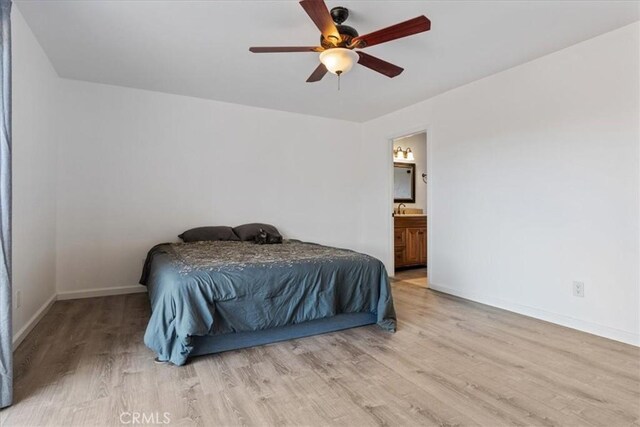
(35, 137)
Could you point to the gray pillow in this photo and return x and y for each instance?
(248, 232)
(208, 233)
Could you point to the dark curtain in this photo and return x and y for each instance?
(6, 334)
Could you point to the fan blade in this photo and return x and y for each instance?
(319, 14)
(377, 64)
(275, 49)
(403, 29)
(317, 74)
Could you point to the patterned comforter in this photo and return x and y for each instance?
(209, 288)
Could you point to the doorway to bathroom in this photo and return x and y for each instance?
(409, 209)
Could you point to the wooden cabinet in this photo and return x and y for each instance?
(410, 241)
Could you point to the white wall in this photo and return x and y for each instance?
(534, 184)
(137, 168)
(418, 145)
(34, 175)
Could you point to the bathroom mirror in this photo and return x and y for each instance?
(404, 182)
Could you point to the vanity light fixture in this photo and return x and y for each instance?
(400, 154)
(409, 154)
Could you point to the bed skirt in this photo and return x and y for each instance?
(233, 341)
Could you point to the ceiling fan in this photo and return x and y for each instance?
(338, 42)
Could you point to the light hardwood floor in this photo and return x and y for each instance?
(452, 362)
(413, 276)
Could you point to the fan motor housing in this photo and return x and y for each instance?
(339, 15)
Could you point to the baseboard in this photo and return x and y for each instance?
(19, 336)
(101, 292)
(559, 319)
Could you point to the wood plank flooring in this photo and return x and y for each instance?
(413, 276)
(452, 362)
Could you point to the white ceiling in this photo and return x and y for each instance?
(200, 48)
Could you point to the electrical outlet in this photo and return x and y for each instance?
(18, 299)
(578, 289)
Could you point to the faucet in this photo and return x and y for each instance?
(399, 211)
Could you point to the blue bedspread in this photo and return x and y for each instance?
(210, 288)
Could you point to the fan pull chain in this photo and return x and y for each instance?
(339, 73)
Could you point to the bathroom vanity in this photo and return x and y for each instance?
(410, 240)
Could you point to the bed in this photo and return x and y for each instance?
(213, 296)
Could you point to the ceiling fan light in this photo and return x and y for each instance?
(339, 60)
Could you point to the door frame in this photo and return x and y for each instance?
(426, 129)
